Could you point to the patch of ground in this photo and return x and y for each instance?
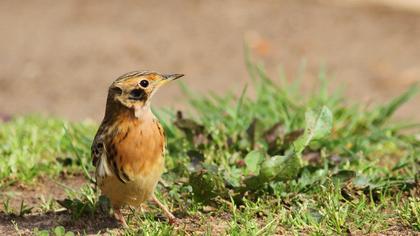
(13, 224)
(33, 197)
(25, 225)
(209, 221)
(45, 188)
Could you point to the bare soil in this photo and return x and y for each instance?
(58, 57)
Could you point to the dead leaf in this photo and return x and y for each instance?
(195, 132)
(251, 132)
(313, 158)
(5, 117)
(292, 136)
(274, 133)
(196, 159)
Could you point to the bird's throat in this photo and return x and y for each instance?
(143, 112)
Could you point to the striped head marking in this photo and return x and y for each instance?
(135, 89)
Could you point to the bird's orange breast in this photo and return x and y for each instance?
(139, 146)
(136, 153)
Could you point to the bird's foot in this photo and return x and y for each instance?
(119, 216)
(171, 218)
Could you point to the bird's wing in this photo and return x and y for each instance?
(104, 156)
(98, 147)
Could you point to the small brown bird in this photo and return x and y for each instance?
(129, 146)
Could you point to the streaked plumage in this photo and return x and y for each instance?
(129, 145)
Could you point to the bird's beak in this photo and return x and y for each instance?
(172, 77)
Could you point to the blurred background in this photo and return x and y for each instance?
(59, 57)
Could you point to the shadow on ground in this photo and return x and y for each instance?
(50, 220)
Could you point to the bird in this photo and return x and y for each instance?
(128, 148)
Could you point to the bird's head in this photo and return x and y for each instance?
(135, 89)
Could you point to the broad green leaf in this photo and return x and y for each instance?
(361, 181)
(253, 161)
(317, 127)
(281, 167)
(38, 232)
(59, 231)
(207, 184)
(287, 167)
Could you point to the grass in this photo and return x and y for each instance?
(34, 146)
(275, 163)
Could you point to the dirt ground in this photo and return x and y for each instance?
(58, 57)
(53, 189)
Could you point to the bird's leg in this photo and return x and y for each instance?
(168, 214)
(119, 216)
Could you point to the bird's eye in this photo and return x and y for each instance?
(144, 83)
